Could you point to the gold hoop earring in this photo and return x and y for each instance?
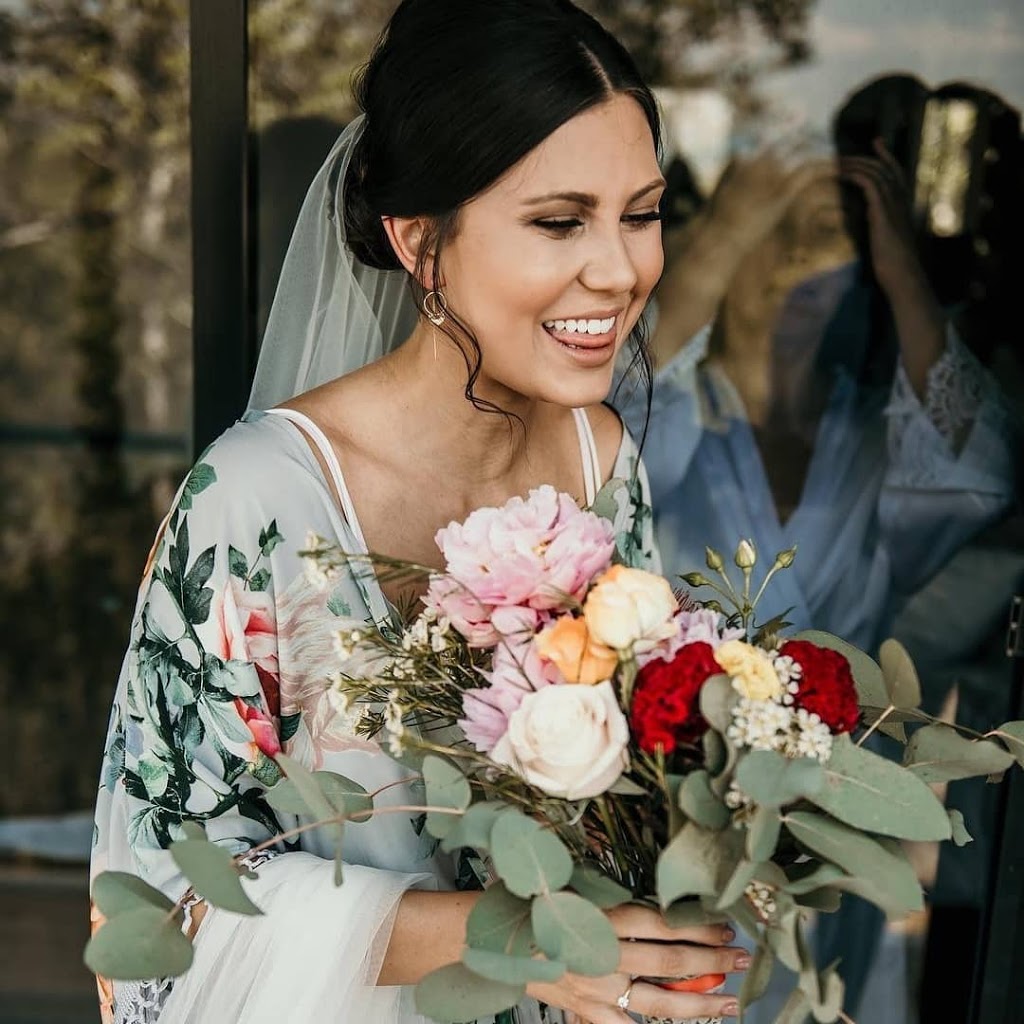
(435, 307)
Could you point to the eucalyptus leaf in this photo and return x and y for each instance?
(960, 834)
(763, 833)
(528, 859)
(496, 919)
(307, 786)
(802, 881)
(117, 892)
(784, 938)
(755, 981)
(455, 993)
(794, 1010)
(698, 802)
(737, 884)
(889, 878)
(938, 753)
(714, 751)
(473, 829)
(901, 682)
(772, 780)
(690, 913)
(626, 787)
(137, 945)
(193, 830)
(573, 931)
(213, 875)
(594, 885)
(830, 1000)
(826, 900)
(1012, 734)
(696, 863)
(447, 787)
(512, 970)
(717, 698)
(874, 794)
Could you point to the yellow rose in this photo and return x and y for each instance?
(630, 609)
(579, 658)
(752, 672)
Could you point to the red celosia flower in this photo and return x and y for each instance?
(826, 685)
(666, 705)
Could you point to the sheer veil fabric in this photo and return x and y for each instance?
(331, 314)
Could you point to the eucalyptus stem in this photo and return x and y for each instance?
(874, 725)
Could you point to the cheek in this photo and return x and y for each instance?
(649, 261)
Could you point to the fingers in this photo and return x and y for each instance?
(657, 1002)
(893, 165)
(679, 960)
(632, 921)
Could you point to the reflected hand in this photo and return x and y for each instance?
(893, 250)
(755, 193)
(650, 949)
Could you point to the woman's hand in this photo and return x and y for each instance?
(650, 949)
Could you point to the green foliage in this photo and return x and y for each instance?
(593, 884)
(874, 794)
(499, 922)
(446, 786)
(901, 682)
(117, 892)
(138, 944)
(571, 930)
(772, 780)
(511, 970)
(700, 804)
(455, 993)
(528, 858)
(213, 874)
(938, 753)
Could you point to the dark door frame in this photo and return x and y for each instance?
(224, 350)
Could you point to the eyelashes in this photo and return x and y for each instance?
(565, 226)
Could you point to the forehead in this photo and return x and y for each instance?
(607, 151)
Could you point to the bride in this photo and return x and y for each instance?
(469, 262)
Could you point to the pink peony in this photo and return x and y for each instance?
(516, 670)
(542, 551)
(247, 631)
(449, 599)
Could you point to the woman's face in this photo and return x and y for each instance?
(552, 266)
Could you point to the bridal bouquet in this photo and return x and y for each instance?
(587, 736)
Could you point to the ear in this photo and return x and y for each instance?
(406, 235)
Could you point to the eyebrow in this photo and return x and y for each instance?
(589, 201)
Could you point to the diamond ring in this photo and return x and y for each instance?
(623, 1001)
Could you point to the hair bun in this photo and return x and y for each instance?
(364, 231)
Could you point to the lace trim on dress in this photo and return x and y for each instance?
(955, 390)
(141, 1002)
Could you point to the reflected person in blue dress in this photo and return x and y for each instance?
(812, 391)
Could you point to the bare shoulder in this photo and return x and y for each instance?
(608, 431)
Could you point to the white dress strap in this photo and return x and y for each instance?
(588, 453)
(327, 453)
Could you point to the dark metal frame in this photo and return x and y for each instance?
(223, 341)
(224, 345)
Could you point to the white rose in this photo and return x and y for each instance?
(631, 609)
(569, 741)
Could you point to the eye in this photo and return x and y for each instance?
(559, 225)
(642, 220)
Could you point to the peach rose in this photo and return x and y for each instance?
(752, 671)
(264, 731)
(568, 644)
(630, 610)
(247, 631)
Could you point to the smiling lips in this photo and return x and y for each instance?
(583, 333)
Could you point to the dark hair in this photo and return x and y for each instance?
(455, 93)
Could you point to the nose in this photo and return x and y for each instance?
(609, 266)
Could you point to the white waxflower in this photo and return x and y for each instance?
(762, 898)
(760, 724)
(810, 737)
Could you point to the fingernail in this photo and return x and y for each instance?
(728, 935)
(731, 1009)
(743, 961)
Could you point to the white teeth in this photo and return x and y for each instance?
(581, 326)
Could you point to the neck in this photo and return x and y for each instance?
(463, 441)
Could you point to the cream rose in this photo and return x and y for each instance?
(569, 741)
(631, 609)
(752, 671)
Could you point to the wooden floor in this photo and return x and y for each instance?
(45, 915)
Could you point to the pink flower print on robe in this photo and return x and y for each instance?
(247, 631)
